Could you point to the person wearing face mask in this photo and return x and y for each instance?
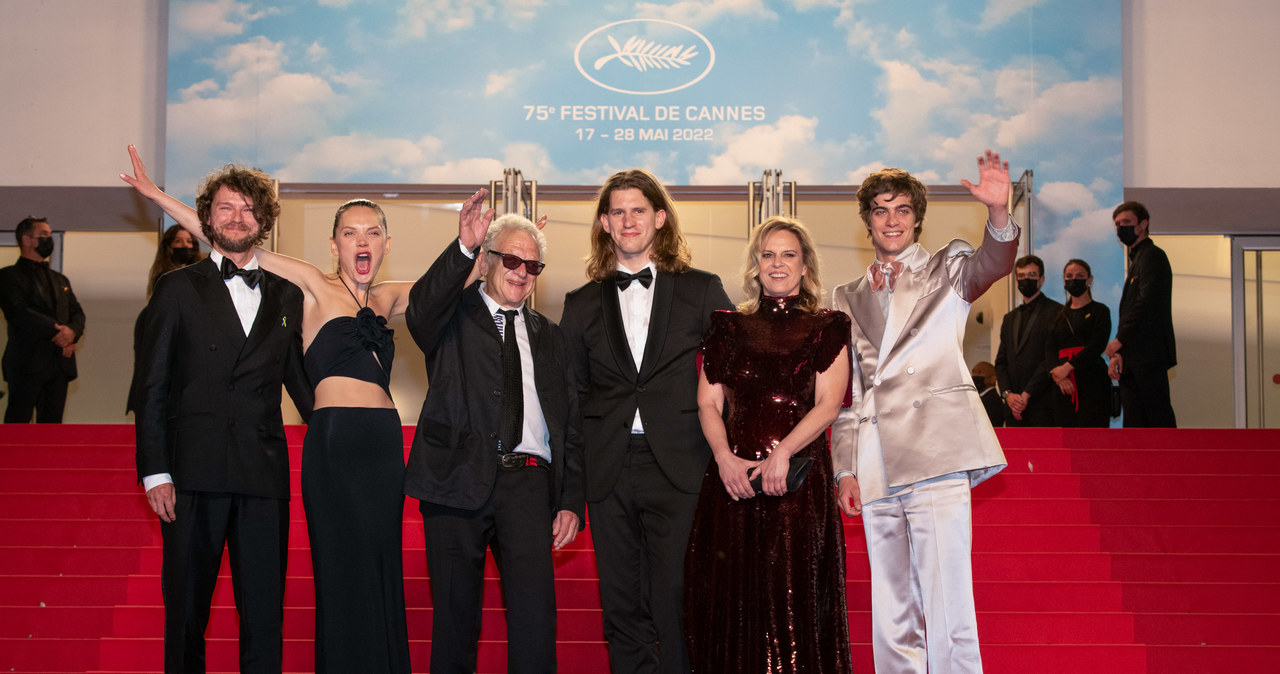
(1073, 352)
(984, 379)
(177, 249)
(44, 321)
(1020, 365)
(1144, 347)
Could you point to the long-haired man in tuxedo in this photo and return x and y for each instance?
(633, 332)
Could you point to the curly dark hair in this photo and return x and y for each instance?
(252, 184)
(894, 181)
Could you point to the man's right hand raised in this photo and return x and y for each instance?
(163, 500)
(473, 220)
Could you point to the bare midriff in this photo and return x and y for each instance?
(348, 392)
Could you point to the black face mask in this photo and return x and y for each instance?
(1076, 287)
(44, 246)
(1028, 287)
(980, 382)
(182, 256)
(1127, 234)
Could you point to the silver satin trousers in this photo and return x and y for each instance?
(920, 542)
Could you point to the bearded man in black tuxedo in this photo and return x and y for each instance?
(218, 339)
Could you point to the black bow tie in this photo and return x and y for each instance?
(623, 279)
(251, 277)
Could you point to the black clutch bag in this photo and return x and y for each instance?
(795, 475)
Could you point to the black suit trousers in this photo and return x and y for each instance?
(641, 532)
(44, 393)
(1144, 397)
(255, 531)
(516, 523)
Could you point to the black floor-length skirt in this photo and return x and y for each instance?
(353, 493)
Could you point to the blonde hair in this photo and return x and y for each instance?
(810, 286)
(670, 251)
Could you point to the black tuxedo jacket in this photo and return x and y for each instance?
(664, 386)
(454, 458)
(208, 399)
(1020, 363)
(1145, 326)
(30, 310)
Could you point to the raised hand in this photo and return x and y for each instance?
(992, 188)
(139, 180)
(474, 219)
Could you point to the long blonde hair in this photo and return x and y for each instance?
(670, 250)
(810, 286)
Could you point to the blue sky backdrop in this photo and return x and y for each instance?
(453, 91)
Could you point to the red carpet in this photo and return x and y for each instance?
(1100, 551)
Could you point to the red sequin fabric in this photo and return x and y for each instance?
(765, 577)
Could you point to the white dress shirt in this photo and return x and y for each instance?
(535, 437)
(636, 302)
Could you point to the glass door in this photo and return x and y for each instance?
(1255, 294)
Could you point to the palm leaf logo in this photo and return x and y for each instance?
(643, 55)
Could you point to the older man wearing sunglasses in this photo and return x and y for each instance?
(496, 460)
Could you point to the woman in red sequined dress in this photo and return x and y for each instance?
(765, 574)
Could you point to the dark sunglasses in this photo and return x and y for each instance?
(510, 261)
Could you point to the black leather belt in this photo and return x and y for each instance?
(516, 460)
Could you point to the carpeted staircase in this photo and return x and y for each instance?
(1095, 551)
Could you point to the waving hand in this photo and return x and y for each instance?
(992, 188)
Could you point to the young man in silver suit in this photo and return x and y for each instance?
(917, 437)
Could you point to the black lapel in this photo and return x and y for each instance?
(474, 309)
(217, 302)
(664, 287)
(44, 284)
(268, 312)
(535, 323)
(1030, 314)
(60, 308)
(614, 330)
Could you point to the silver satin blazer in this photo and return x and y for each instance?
(915, 413)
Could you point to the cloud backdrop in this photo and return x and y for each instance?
(451, 91)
